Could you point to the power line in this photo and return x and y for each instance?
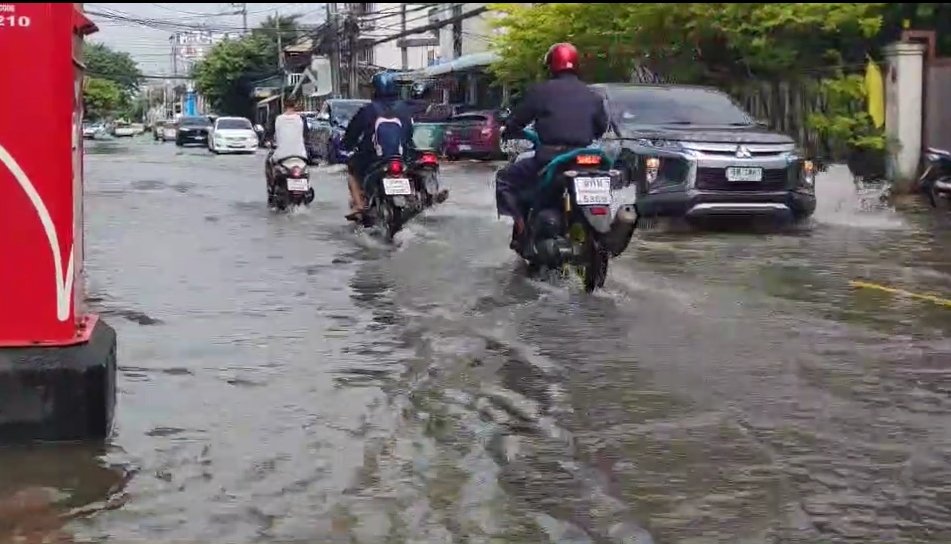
(433, 26)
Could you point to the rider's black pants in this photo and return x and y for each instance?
(515, 187)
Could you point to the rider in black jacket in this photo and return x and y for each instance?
(567, 115)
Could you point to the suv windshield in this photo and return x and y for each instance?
(195, 122)
(231, 124)
(674, 106)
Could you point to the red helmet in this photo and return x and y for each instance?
(561, 57)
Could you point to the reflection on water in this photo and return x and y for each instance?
(306, 382)
(42, 488)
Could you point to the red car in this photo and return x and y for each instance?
(473, 134)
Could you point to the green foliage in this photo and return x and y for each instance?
(116, 66)
(726, 45)
(101, 97)
(692, 42)
(844, 122)
(226, 76)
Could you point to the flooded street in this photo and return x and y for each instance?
(284, 378)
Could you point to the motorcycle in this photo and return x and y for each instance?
(396, 191)
(424, 173)
(288, 183)
(569, 225)
(935, 180)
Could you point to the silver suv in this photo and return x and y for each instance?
(693, 152)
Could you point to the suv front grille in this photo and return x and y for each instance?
(714, 179)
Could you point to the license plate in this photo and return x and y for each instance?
(397, 186)
(298, 184)
(464, 147)
(593, 191)
(741, 173)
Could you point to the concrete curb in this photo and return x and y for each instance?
(59, 393)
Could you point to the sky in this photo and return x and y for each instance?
(150, 46)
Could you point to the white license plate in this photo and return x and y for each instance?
(298, 184)
(593, 191)
(465, 147)
(741, 173)
(397, 186)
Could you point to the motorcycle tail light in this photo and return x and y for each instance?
(588, 159)
(428, 158)
(297, 172)
(598, 210)
(395, 167)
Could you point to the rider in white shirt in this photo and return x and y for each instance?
(289, 133)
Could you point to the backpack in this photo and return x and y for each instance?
(387, 133)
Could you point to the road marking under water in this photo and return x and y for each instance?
(891, 290)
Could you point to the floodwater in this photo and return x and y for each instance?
(284, 378)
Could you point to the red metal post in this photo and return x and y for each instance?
(41, 218)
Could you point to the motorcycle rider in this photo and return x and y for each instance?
(289, 133)
(567, 115)
(364, 132)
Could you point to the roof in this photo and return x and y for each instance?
(465, 62)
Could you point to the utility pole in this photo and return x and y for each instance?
(404, 51)
(353, 31)
(334, 23)
(280, 55)
(174, 40)
(457, 30)
(243, 10)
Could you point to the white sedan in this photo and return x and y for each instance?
(232, 135)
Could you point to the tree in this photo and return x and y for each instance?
(226, 76)
(814, 45)
(116, 66)
(692, 42)
(101, 97)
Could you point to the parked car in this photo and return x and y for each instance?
(443, 113)
(123, 129)
(693, 152)
(336, 113)
(474, 134)
(192, 130)
(233, 135)
(168, 131)
(90, 130)
(158, 128)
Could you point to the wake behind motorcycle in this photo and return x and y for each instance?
(569, 226)
(935, 180)
(396, 192)
(288, 183)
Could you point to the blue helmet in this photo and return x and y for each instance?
(384, 85)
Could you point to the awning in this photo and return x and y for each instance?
(465, 62)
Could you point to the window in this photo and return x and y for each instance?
(342, 112)
(195, 122)
(234, 124)
(674, 106)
